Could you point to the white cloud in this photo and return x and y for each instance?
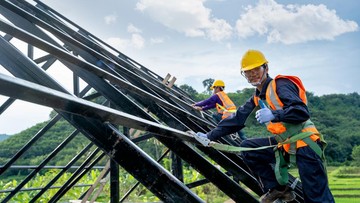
(118, 43)
(132, 29)
(187, 16)
(291, 24)
(110, 19)
(137, 41)
(219, 30)
(156, 40)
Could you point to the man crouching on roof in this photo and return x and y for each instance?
(285, 115)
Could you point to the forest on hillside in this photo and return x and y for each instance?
(3, 137)
(337, 117)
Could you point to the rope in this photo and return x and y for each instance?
(235, 149)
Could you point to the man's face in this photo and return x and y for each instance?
(216, 90)
(255, 76)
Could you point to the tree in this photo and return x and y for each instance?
(207, 84)
(189, 90)
(356, 155)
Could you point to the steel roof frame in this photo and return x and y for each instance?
(138, 99)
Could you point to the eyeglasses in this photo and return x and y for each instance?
(252, 71)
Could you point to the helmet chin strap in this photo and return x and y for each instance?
(255, 84)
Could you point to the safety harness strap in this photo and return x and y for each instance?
(281, 168)
(314, 146)
(281, 165)
(292, 131)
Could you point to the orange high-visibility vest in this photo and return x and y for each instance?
(228, 107)
(274, 102)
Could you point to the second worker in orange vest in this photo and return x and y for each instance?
(221, 101)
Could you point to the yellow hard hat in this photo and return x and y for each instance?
(252, 59)
(217, 83)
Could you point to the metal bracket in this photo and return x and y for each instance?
(293, 185)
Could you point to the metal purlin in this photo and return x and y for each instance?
(91, 127)
(153, 190)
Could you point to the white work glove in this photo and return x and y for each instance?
(264, 115)
(199, 108)
(200, 134)
(202, 138)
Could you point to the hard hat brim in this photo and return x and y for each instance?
(252, 66)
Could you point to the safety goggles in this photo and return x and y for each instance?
(256, 70)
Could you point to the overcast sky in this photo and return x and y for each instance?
(197, 39)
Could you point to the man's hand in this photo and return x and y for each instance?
(199, 108)
(264, 115)
(200, 134)
(202, 138)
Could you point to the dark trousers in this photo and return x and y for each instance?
(218, 117)
(311, 170)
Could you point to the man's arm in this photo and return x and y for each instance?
(232, 123)
(209, 103)
(294, 110)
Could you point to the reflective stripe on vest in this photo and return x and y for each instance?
(273, 99)
(228, 106)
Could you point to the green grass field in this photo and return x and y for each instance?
(344, 183)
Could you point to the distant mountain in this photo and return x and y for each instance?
(3, 137)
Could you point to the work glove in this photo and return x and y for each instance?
(202, 138)
(200, 134)
(264, 115)
(199, 108)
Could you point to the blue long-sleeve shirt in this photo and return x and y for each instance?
(294, 110)
(210, 102)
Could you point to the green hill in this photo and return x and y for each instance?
(42, 147)
(3, 137)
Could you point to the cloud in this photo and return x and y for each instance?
(132, 29)
(190, 17)
(137, 41)
(219, 30)
(156, 40)
(110, 19)
(290, 24)
(118, 43)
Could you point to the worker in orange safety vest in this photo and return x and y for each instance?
(220, 100)
(285, 112)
